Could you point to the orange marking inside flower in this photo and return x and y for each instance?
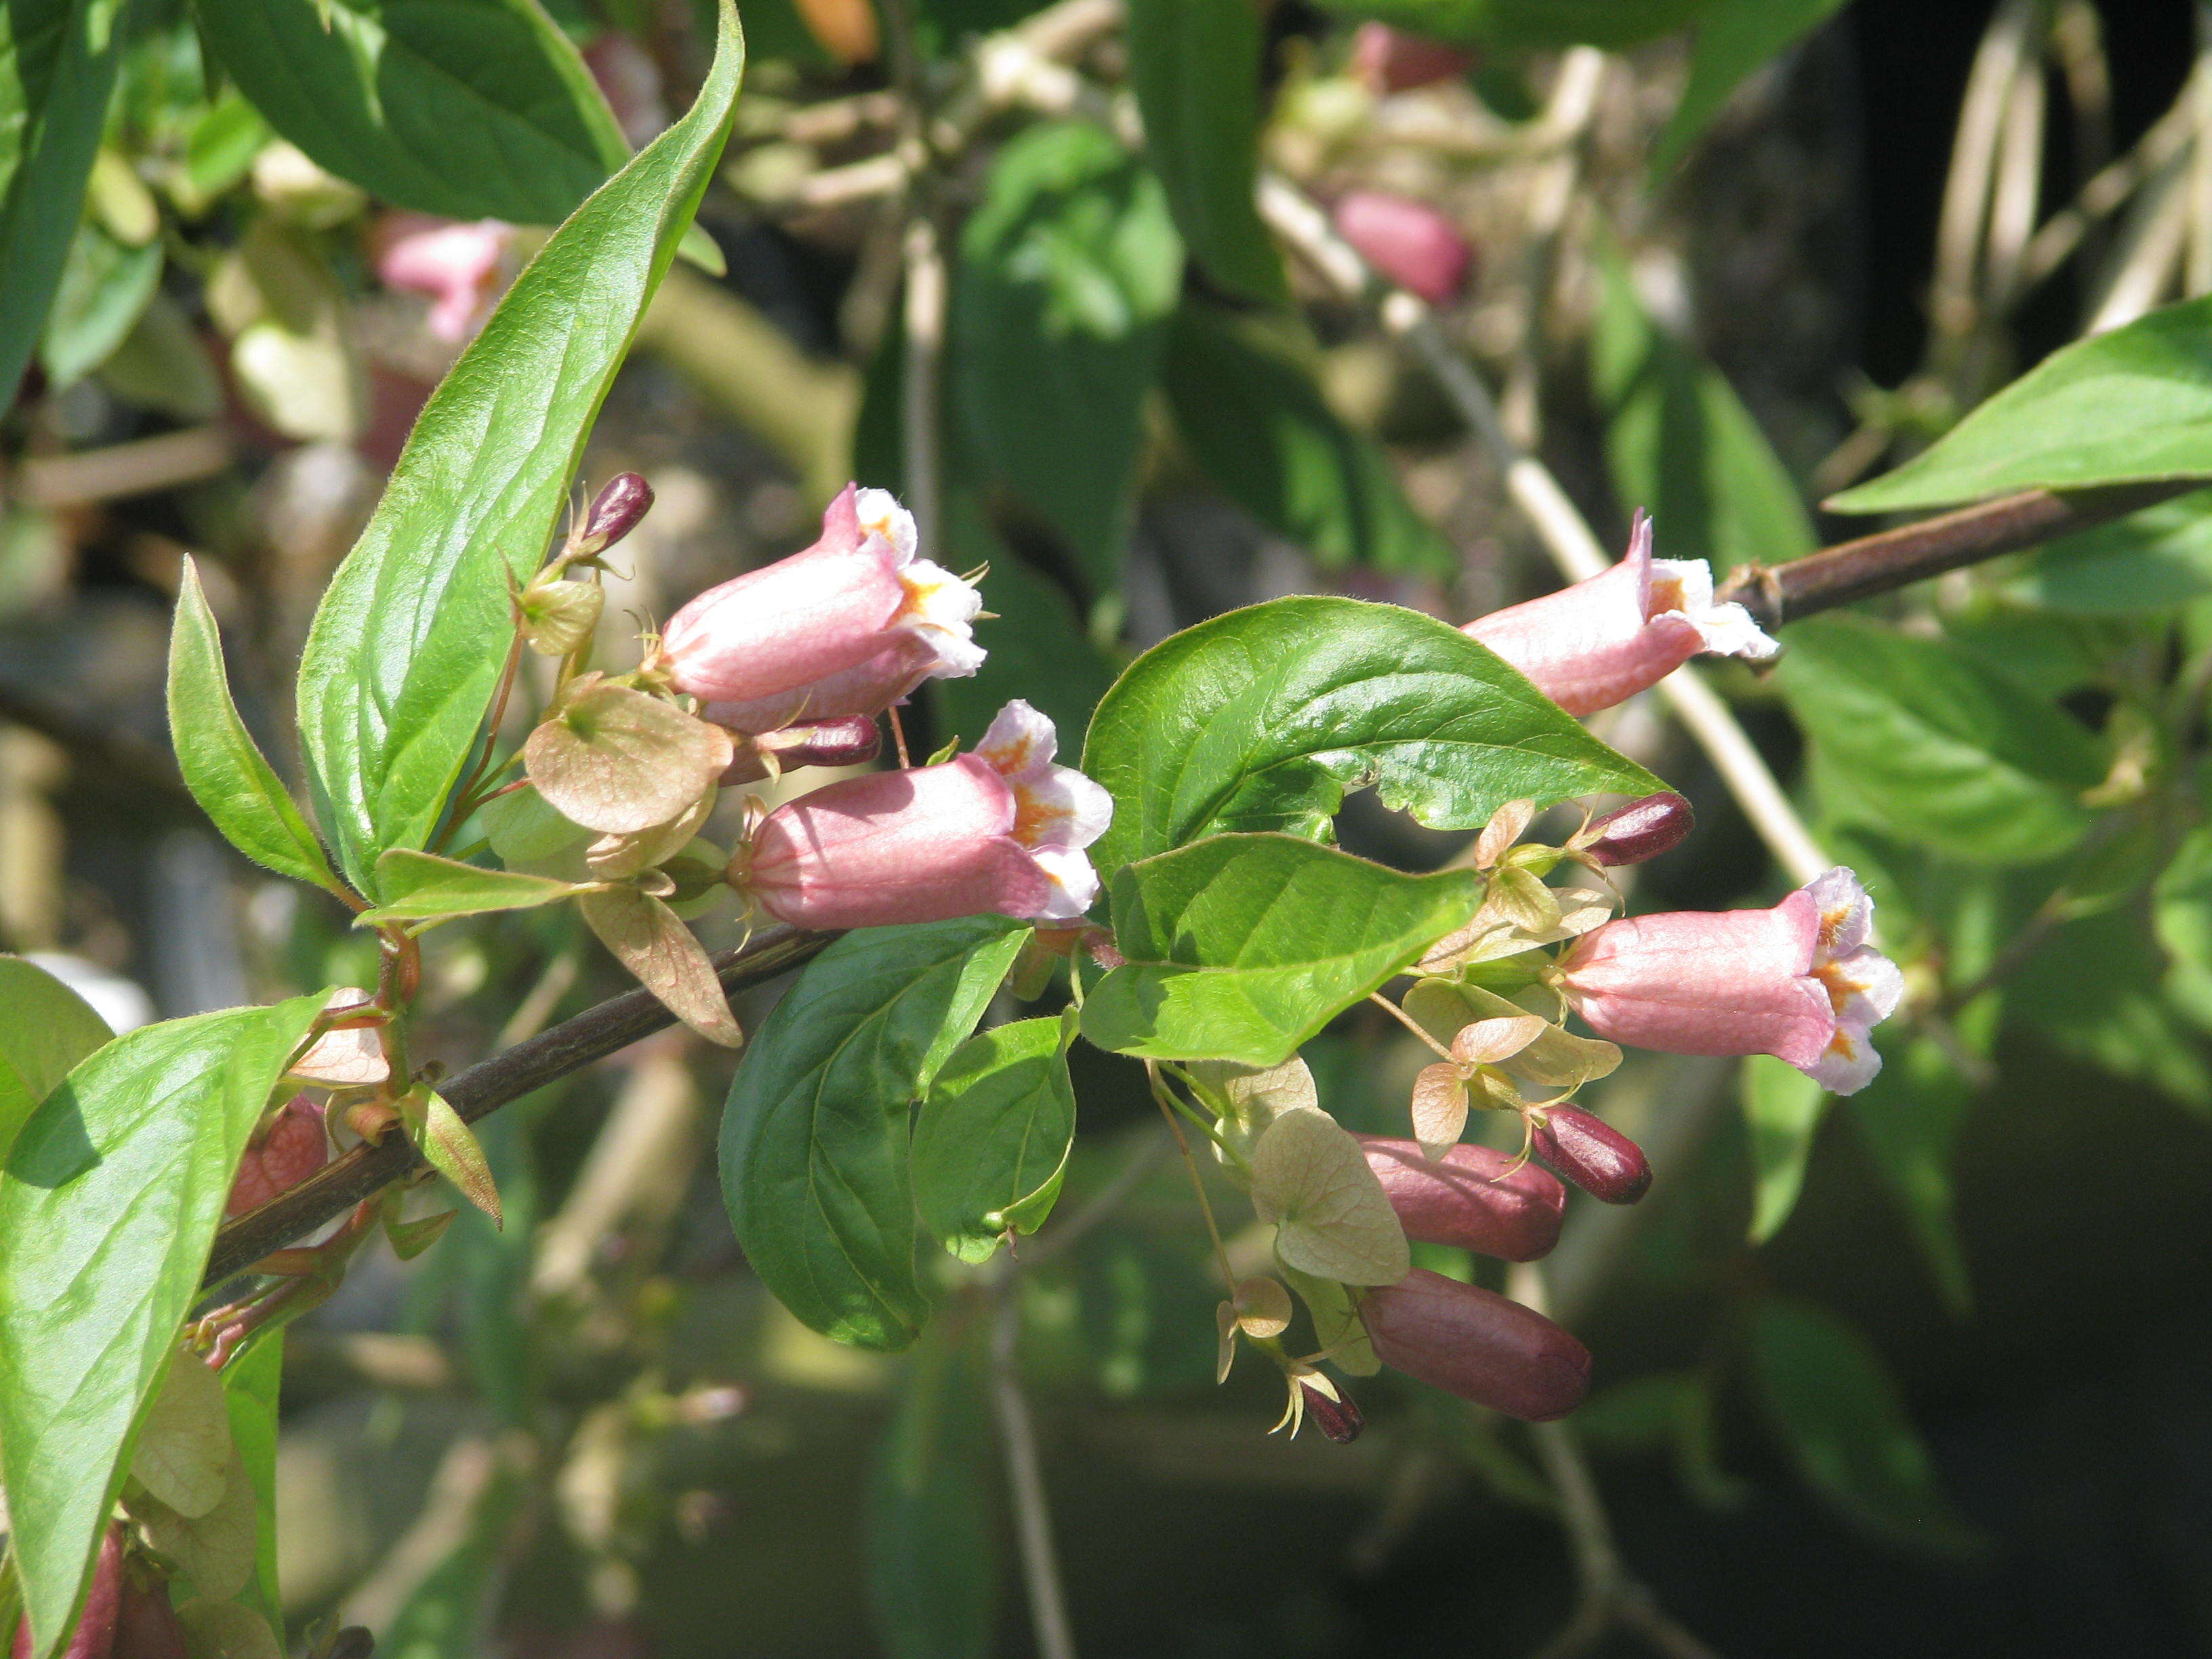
(1832, 924)
(1032, 815)
(1839, 988)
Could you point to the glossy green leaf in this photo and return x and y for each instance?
(1195, 67)
(1910, 1117)
(469, 109)
(1937, 749)
(1833, 1407)
(1068, 268)
(1539, 23)
(421, 886)
(1730, 40)
(990, 1144)
(401, 661)
(2149, 560)
(1262, 719)
(222, 766)
(46, 1028)
(932, 1541)
(2128, 406)
(110, 1199)
(1243, 946)
(57, 61)
(1258, 424)
(104, 287)
(814, 1143)
(1781, 1109)
(1681, 444)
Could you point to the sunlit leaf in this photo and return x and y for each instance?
(991, 1140)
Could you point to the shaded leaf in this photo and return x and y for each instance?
(814, 1142)
(406, 647)
(105, 287)
(1613, 23)
(2148, 561)
(1037, 648)
(1259, 425)
(1241, 947)
(1337, 1330)
(1331, 1218)
(1731, 40)
(991, 1140)
(1263, 718)
(651, 940)
(933, 1548)
(1910, 1117)
(1781, 1109)
(45, 1027)
(251, 1384)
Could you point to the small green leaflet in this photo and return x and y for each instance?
(420, 886)
(1241, 947)
(1264, 718)
(814, 1142)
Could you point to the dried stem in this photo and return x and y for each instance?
(485, 1087)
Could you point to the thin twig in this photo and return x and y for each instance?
(483, 1089)
(1056, 1635)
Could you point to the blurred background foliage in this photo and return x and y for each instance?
(1923, 1375)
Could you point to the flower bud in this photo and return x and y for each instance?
(1471, 1197)
(1602, 640)
(615, 512)
(1000, 829)
(1340, 1419)
(294, 1146)
(1476, 1344)
(1798, 982)
(850, 740)
(146, 1626)
(1642, 829)
(857, 594)
(1590, 1152)
(94, 1635)
(1387, 60)
(458, 266)
(1408, 241)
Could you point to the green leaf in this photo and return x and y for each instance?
(2130, 406)
(222, 767)
(252, 1383)
(421, 886)
(1195, 67)
(406, 647)
(1332, 1219)
(1539, 23)
(2098, 990)
(2148, 561)
(469, 109)
(1243, 946)
(1731, 38)
(1681, 444)
(110, 1199)
(450, 1147)
(104, 287)
(1262, 719)
(1258, 424)
(1831, 1403)
(1782, 1108)
(46, 1028)
(932, 1539)
(1037, 648)
(1068, 269)
(1910, 1117)
(183, 1453)
(814, 1143)
(1937, 749)
(990, 1144)
(57, 61)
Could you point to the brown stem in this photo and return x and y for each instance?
(1783, 593)
(485, 1087)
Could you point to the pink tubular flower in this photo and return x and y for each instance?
(1476, 1344)
(1408, 241)
(1000, 829)
(865, 690)
(1798, 982)
(294, 1147)
(456, 265)
(1602, 640)
(1387, 60)
(771, 637)
(1471, 1197)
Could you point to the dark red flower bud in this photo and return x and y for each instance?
(614, 513)
(1340, 1419)
(294, 1148)
(1478, 1345)
(1471, 1197)
(94, 1635)
(1642, 829)
(848, 740)
(146, 1624)
(1590, 1152)
(1387, 60)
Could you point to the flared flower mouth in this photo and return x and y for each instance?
(1058, 811)
(1863, 986)
(939, 607)
(1684, 588)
